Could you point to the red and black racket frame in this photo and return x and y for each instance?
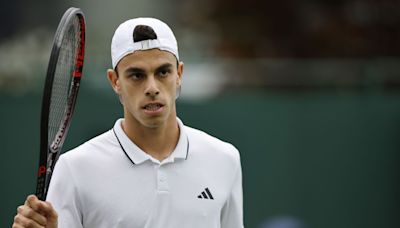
(49, 154)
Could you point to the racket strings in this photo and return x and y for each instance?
(63, 80)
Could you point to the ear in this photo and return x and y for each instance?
(179, 80)
(114, 80)
(180, 74)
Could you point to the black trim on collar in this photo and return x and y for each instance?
(123, 147)
(187, 147)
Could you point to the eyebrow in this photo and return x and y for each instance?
(134, 70)
(142, 71)
(164, 67)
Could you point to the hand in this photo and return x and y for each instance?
(36, 214)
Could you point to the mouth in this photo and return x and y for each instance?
(153, 108)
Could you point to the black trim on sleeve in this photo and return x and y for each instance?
(122, 147)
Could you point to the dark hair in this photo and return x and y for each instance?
(143, 32)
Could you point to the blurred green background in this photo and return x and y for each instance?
(308, 91)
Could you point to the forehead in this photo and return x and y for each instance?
(146, 59)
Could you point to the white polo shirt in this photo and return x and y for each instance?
(110, 182)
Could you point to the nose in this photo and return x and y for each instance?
(151, 87)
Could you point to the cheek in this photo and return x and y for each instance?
(172, 93)
(173, 85)
(130, 94)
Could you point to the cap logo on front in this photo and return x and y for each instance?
(142, 34)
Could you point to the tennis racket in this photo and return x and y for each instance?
(60, 92)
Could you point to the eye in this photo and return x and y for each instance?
(164, 73)
(136, 76)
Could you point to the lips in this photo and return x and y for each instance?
(153, 106)
(153, 109)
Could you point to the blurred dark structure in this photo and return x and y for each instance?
(308, 44)
(20, 16)
(299, 29)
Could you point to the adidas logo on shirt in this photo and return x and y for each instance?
(206, 194)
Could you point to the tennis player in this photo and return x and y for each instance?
(149, 170)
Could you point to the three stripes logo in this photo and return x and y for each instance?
(206, 194)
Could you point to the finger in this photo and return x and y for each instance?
(44, 208)
(17, 226)
(21, 221)
(32, 201)
(37, 205)
(48, 211)
(29, 213)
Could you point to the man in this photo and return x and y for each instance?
(149, 170)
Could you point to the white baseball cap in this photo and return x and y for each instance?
(123, 44)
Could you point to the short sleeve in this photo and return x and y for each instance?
(63, 195)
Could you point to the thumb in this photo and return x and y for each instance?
(49, 212)
(32, 202)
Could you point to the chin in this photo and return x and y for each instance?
(153, 122)
(152, 125)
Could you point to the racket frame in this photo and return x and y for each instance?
(49, 153)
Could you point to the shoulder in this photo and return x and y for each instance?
(211, 146)
(96, 150)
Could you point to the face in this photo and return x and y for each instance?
(147, 82)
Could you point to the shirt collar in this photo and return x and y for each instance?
(138, 156)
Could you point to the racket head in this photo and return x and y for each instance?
(60, 92)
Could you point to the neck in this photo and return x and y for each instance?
(159, 142)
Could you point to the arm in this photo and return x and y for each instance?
(232, 212)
